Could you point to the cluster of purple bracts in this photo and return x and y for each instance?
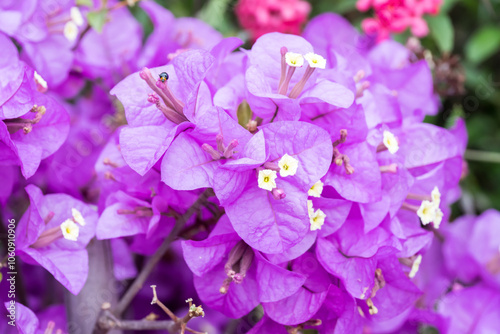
(330, 193)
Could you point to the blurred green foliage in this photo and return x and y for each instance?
(469, 29)
(477, 42)
(97, 19)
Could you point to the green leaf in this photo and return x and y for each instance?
(342, 6)
(402, 37)
(447, 5)
(87, 3)
(97, 19)
(244, 113)
(337, 6)
(214, 13)
(483, 44)
(442, 31)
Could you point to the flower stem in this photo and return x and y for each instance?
(153, 261)
(474, 155)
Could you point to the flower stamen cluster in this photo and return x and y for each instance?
(26, 124)
(171, 107)
(68, 230)
(239, 261)
(286, 166)
(222, 152)
(341, 159)
(316, 217)
(428, 211)
(292, 60)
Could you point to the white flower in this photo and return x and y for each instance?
(77, 216)
(70, 230)
(70, 31)
(364, 292)
(371, 308)
(415, 266)
(390, 142)
(315, 60)
(267, 179)
(310, 209)
(317, 220)
(288, 165)
(39, 80)
(436, 196)
(427, 212)
(294, 59)
(438, 218)
(316, 189)
(76, 16)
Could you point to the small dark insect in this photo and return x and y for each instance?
(163, 76)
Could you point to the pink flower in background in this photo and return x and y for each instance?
(397, 15)
(263, 16)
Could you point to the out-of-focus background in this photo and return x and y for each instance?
(464, 43)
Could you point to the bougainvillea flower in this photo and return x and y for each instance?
(396, 293)
(113, 174)
(229, 67)
(432, 276)
(51, 319)
(355, 173)
(415, 318)
(339, 313)
(214, 141)
(283, 74)
(390, 63)
(46, 33)
(433, 139)
(159, 120)
(383, 74)
(112, 53)
(267, 326)
(473, 308)
(12, 72)
(406, 226)
(34, 136)
(123, 260)
(125, 215)
(335, 209)
(304, 303)
(344, 50)
(273, 221)
(472, 248)
(71, 167)
(9, 180)
(228, 273)
(54, 233)
(172, 36)
(33, 125)
(331, 196)
(352, 261)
